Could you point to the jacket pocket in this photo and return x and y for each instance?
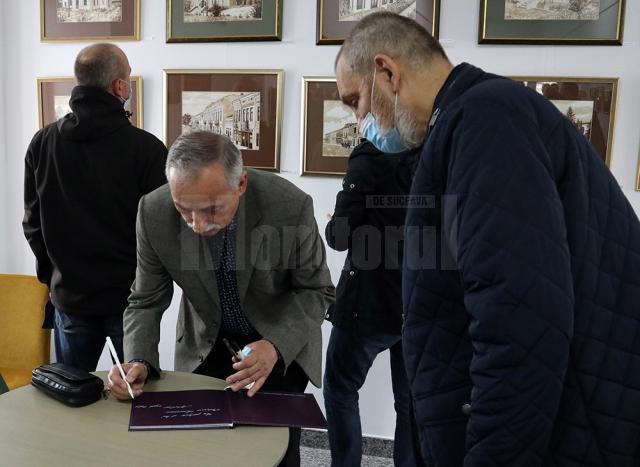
(444, 405)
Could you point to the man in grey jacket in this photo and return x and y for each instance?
(244, 247)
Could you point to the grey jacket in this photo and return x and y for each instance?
(283, 281)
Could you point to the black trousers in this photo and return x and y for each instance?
(218, 364)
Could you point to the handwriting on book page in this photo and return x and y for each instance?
(180, 411)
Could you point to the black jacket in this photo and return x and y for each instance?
(530, 313)
(368, 222)
(84, 176)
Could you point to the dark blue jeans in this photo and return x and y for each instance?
(349, 358)
(79, 340)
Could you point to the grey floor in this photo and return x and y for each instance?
(311, 457)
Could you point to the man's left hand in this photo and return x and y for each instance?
(256, 368)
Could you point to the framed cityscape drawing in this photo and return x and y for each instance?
(245, 105)
(336, 18)
(577, 22)
(329, 128)
(589, 103)
(224, 20)
(89, 20)
(54, 94)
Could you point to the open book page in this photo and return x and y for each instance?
(276, 409)
(167, 410)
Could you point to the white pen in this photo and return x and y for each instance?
(112, 349)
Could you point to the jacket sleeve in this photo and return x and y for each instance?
(154, 176)
(303, 307)
(31, 225)
(350, 210)
(150, 296)
(508, 234)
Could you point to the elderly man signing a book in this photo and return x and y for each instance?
(244, 248)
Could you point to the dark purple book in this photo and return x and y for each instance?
(207, 408)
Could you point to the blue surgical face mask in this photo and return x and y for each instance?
(388, 142)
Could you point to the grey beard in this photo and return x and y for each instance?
(410, 132)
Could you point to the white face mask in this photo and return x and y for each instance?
(126, 99)
(389, 141)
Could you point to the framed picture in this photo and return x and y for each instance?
(576, 22)
(245, 105)
(54, 94)
(224, 20)
(336, 18)
(329, 128)
(89, 20)
(589, 103)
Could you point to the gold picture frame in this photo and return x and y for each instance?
(496, 27)
(602, 92)
(52, 30)
(331, 30)
(48, 88)
(244, 104)
(325, 148)
(269, 28)
(638, 175)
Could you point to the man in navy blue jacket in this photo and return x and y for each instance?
(521, 282)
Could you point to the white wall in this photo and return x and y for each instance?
(4, 235)
(26, 58)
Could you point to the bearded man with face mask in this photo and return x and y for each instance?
(520, 277)
(84, 176)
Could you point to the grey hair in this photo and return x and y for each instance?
(193, 151)
(98, 65)
(396, 36)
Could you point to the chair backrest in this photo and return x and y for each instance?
(23, 342)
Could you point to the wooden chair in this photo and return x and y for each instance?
(24, 345)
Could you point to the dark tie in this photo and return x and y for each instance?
(223, 246)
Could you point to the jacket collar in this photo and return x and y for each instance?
(462, 78)
(96, 113)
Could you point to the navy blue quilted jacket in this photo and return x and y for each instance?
(521, 288)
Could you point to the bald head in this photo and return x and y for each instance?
(396, 36)
(98, 65)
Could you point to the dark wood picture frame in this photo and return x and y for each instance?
(607, 29)
(52, 30)
(330, 30)
(50, 87)
(256, 129)
(323, 154)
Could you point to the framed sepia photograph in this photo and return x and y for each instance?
(245, 105)
(336, 18)
(89, 20)
(329, 128)
(570, 22)
(589, 103)
(224, 20)
(54, 94)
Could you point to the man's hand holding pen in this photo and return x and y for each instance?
(254, 368)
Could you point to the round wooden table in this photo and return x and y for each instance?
(36, 430)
